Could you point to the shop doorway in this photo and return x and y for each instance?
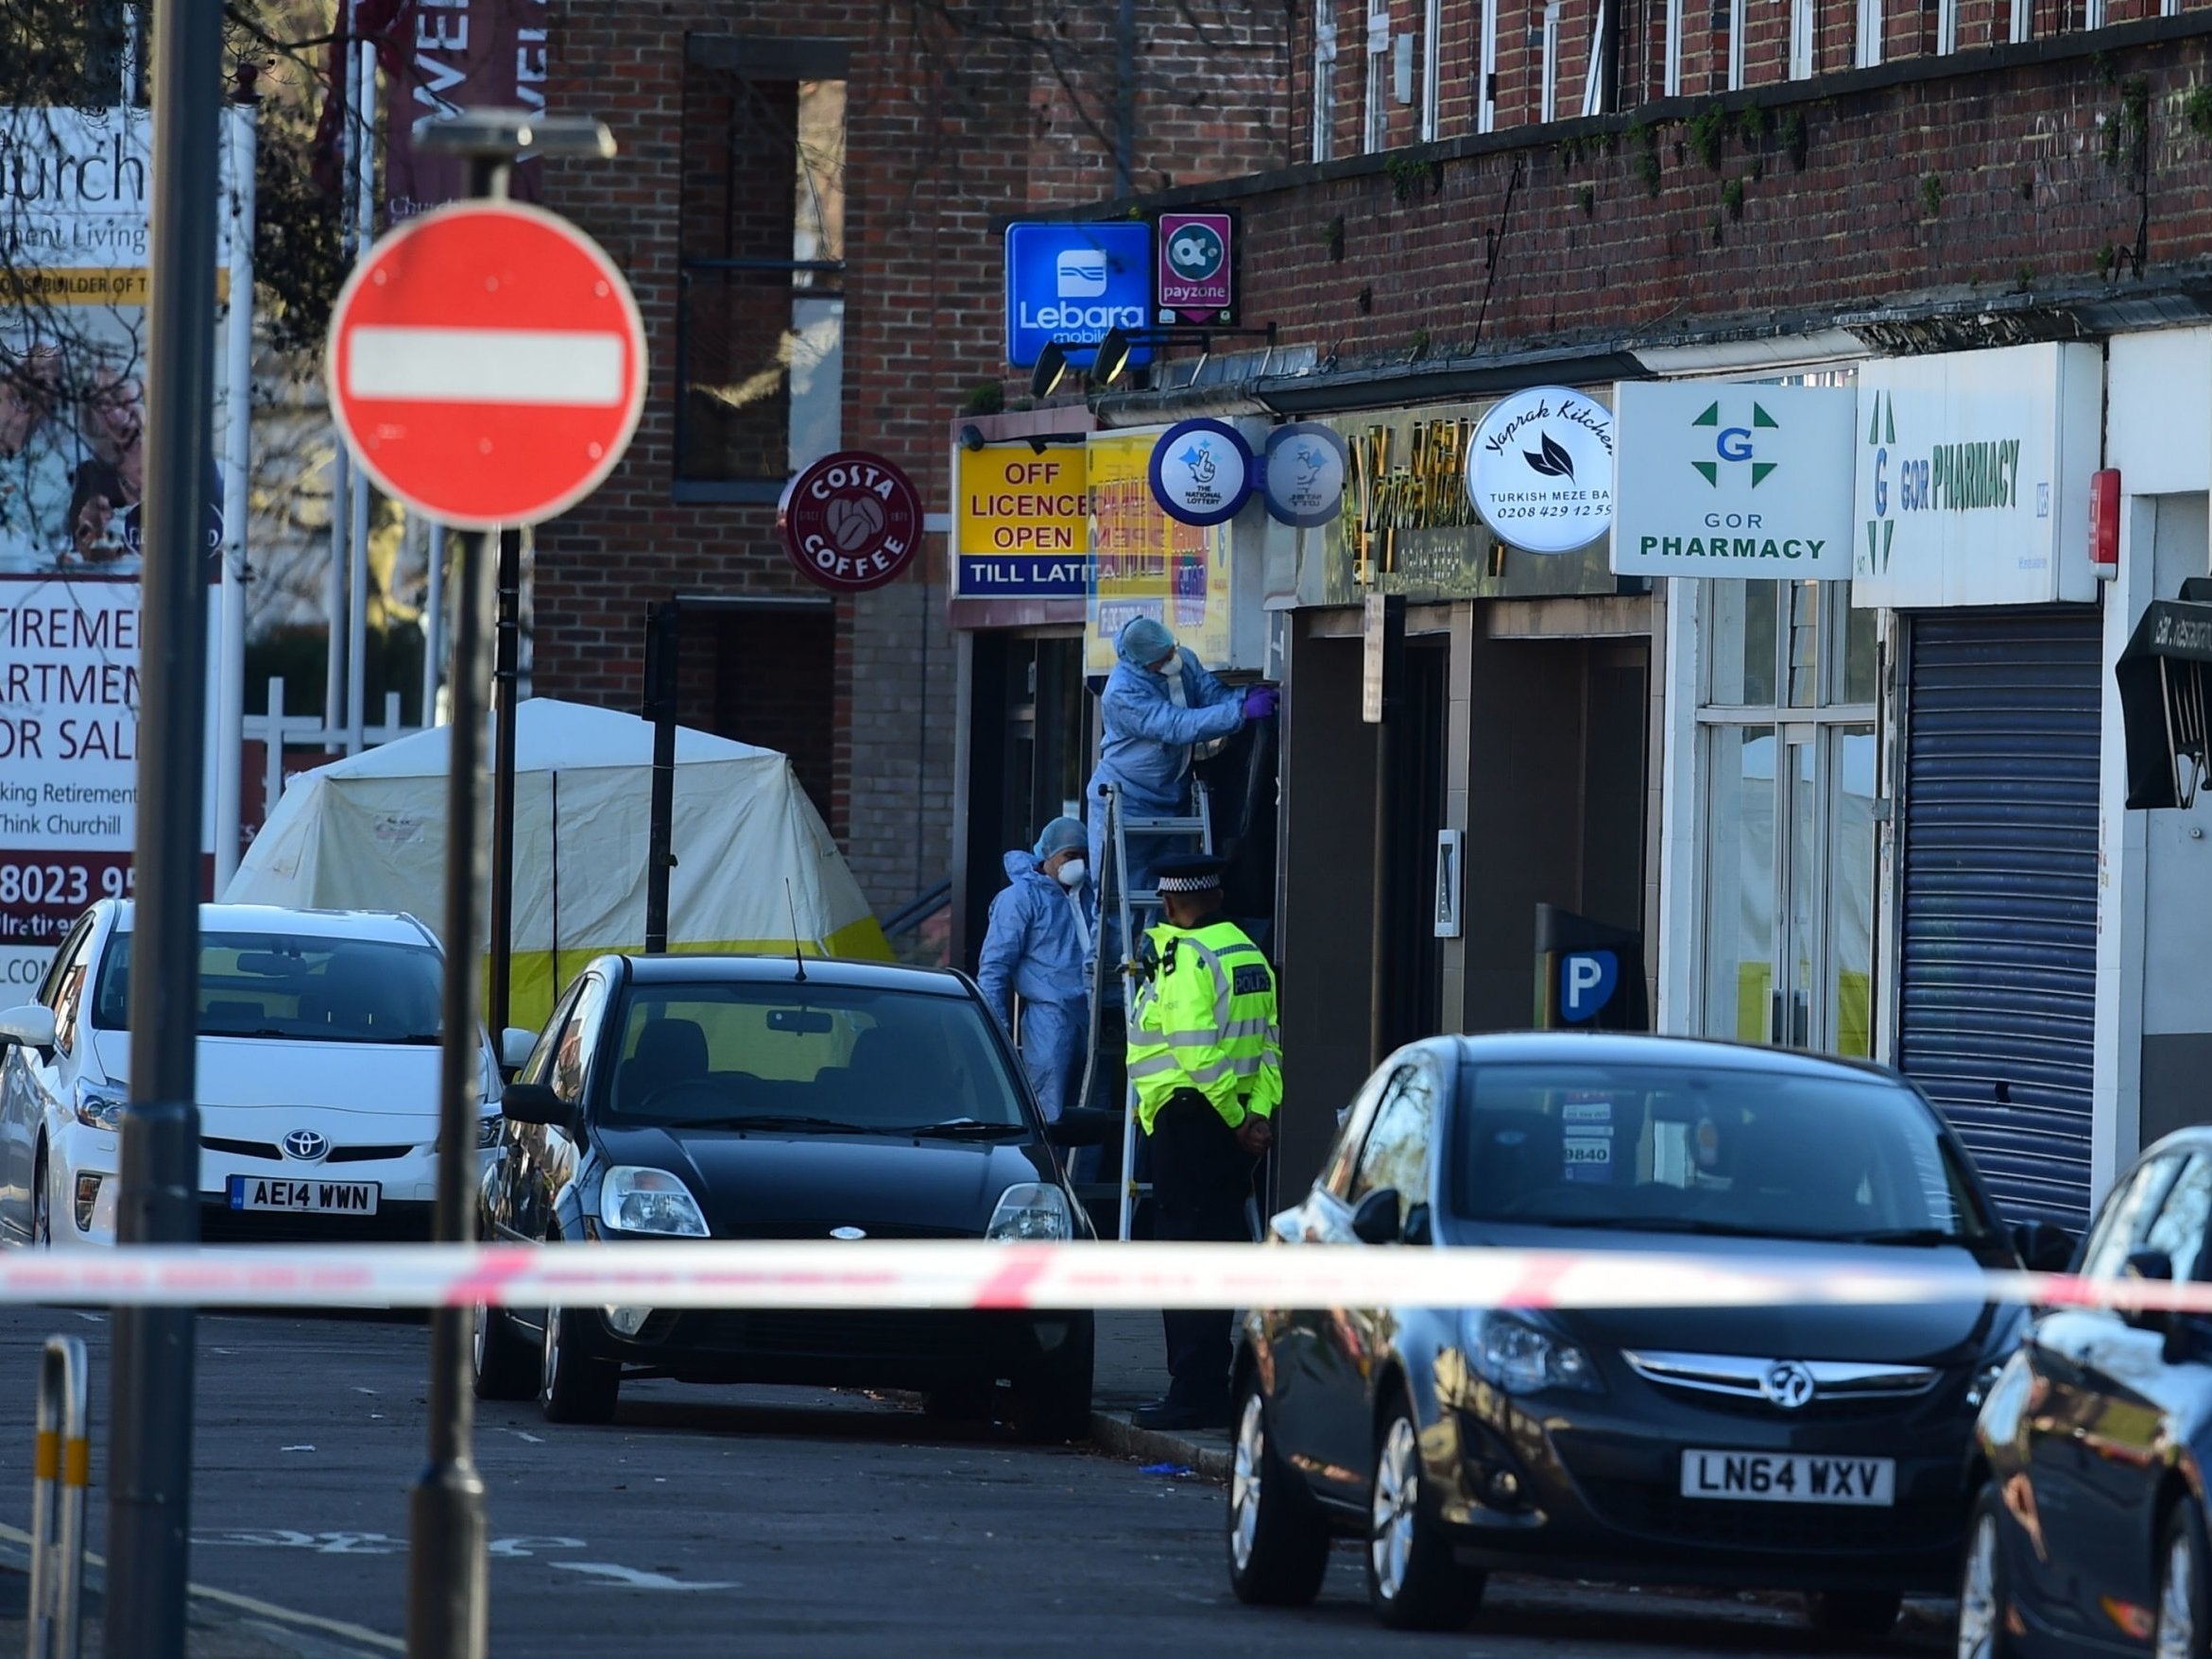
(1029, 752)
(1412, 955)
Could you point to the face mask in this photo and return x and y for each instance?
(1072, 872)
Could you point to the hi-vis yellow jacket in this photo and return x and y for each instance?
(1206, 1020)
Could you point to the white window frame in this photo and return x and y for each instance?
(1736, 26)
(1431, 87)
(1593, 81)
(1671, 74)
(1866, 53)
(1548, 102)
(1323, 80)
(2092, 13)
(1802, 17)
(1375, 118)
(1946, 27)
(1486, 83)
(2023, 21)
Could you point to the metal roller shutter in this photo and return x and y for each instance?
(1997, 974)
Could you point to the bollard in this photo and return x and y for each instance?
(62, 1467)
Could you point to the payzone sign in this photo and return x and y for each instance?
(1074, 284)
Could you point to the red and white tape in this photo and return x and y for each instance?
(970, 1274)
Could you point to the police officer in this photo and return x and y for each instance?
(1206, 1059)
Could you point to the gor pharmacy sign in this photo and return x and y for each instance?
(1721, 479)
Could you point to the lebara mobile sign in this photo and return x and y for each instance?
(1973, 477)
(1022, 523)
(1715, 479)
(1074, 284)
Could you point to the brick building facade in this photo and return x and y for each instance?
(808, 203)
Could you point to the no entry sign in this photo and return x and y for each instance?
(486, 364)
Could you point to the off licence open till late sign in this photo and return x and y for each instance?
(341, 1197)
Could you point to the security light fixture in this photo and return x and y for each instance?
(972, 437)
(1051, 368)
(517, 134)
(1111, 359)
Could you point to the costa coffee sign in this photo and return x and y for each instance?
(850, 522)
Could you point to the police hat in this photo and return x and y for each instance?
(1190, 872)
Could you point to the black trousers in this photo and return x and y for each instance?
(1200, 1180)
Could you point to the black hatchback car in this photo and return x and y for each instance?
(2089, 1533)
(757, 1098)
(1816, 1449)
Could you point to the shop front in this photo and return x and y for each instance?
(1508, 771)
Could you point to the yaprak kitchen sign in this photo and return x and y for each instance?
(1972, 477)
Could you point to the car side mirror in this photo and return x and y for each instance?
(1080, 1126)
(515, 1047)
(32, 1025)
(1420, 1226)
(2149, 1266)
(1376, 1221)
(535, 1102)
(2042, 1246)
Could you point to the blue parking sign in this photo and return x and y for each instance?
(1074, 283)
(1587, 978)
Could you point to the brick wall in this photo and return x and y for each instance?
(1621, 227)
(952, 126)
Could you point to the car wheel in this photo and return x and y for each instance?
(1412, 1584)
(506, 1366)
(1279, 1543)
(41, 1207)
(2181, 1625)
(1853, 1613)
(1984, 1605)
(573, 1386)
(1052, 1404)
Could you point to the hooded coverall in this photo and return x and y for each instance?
(1038, 944)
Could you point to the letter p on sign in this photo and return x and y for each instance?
(1587, 978)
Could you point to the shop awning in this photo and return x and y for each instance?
(2162, 696)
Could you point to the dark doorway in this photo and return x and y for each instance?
(774, 671)
(1412, 962)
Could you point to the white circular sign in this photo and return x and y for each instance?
(1305, 474)
(1540, 470)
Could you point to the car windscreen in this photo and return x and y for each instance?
(298, 987)
(863, 1057)
(1706, 1149)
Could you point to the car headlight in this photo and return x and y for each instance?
(1031, 1209)
(99, 1107)
(489, 1131)
(1518, 1357)
(634, 1200)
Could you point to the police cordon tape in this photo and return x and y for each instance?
(975, 1273)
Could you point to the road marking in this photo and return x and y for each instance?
(522, 1548)
(521, 1434)
(629, 1577)
(260, 1609)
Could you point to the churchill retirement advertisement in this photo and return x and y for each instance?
(73, 196)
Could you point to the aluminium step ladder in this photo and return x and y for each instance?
(1136, 909)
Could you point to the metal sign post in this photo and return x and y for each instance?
(150, 1490)
(447, 1580)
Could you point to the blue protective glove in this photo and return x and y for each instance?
(1259, 702)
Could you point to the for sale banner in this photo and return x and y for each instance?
(74, 201)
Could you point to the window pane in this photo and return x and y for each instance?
(298, 987)
(2179, 1230)
(1804, 645)
(1742, 637)
(763, 372)
(1851, 889)
(1740, 883)
(1860, 659)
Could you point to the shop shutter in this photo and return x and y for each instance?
(1997, 976)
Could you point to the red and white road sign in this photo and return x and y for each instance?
(486, 364)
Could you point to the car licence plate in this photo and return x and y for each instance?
(353, 1198)
(1789, 1478)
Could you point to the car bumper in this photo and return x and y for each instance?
(847, 1348)
(1602, 1496)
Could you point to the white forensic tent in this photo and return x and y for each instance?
(369, 832)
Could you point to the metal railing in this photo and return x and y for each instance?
(62, 1468)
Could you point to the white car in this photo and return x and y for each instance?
(318, 1080)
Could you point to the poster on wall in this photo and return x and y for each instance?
(1146, 563)
(73, 292)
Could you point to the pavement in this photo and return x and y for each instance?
(1131, 1370)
